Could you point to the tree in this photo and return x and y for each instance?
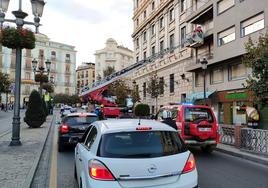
(35, 115)
(4, 83)
(108, 71)
(120, 89)
(66, 99)
(135, 95)
(142, 110)
(155, 87)
(257, 59)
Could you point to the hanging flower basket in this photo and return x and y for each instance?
(17, 38)
(41, 78)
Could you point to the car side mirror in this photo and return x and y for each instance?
(74, 140)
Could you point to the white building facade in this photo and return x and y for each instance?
(62, 73)
(112, 55)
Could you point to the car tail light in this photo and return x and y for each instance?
(64, 128)
(190, 164)
(98, 171)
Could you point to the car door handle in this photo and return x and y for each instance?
(80, 159)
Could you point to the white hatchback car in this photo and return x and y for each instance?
(126, 154)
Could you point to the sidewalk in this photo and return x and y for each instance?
(18, 164)
(231, 150)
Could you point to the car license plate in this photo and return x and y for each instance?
(201, 129)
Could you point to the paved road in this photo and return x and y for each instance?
(216, 170)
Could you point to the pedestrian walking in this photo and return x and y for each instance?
(167, 119)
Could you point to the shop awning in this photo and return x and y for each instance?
(199, 95)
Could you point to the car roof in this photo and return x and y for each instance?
(81, 113)
(123, 125)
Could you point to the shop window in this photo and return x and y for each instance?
(226, 36)
(171, 83)
(183, 5)
(171, 42)
(144, 89)
(161, 84)
(183, 36)
(144, 36)
(224, 5)
(153, 5)
(237, 71)
(153, 51)
(161, 22)
(183, 97)
(216, 76)
(153, 30)
(252, 25)
(199, 79)
(171, 15)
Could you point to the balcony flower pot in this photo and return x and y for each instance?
(17, 38)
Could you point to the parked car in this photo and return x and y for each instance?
(74, 125)
(196, 124)
(126, 153)
(84, 107)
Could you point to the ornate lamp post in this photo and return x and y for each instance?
(41, 70)
(37, 10)
(204, 63)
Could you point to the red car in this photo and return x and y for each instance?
(196, 124)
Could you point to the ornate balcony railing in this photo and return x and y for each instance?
(227, 135)
(254, 140)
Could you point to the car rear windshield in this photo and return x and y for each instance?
(198, 114)
(174, 112)
(148, 144)
(78, 120)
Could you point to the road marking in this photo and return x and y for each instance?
(54, 159)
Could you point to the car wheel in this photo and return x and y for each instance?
(60, 147)
(208, 148)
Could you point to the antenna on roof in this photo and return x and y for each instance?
(139, 121)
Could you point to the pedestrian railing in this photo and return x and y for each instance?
(227, 135)
(254, 140)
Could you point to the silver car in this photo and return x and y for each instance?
(128, 153)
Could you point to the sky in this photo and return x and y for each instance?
(85, 24)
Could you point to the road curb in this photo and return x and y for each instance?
(27, 183)
(246, 156)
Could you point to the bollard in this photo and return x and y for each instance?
(237, 134)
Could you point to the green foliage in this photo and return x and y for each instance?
(119, 89)
(4, 83)
(154, 86)
(13, 38)
(48, 87)
(108, 71)
(35, 115)
(135, 95)
(66, 99)
(257, 59)
(142, 110)
(41, 78)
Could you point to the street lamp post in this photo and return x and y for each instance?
(204, 63)
(37, 10)
(40, 69)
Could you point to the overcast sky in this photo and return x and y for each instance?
(86, 24)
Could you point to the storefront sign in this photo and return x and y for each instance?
(236, 96)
